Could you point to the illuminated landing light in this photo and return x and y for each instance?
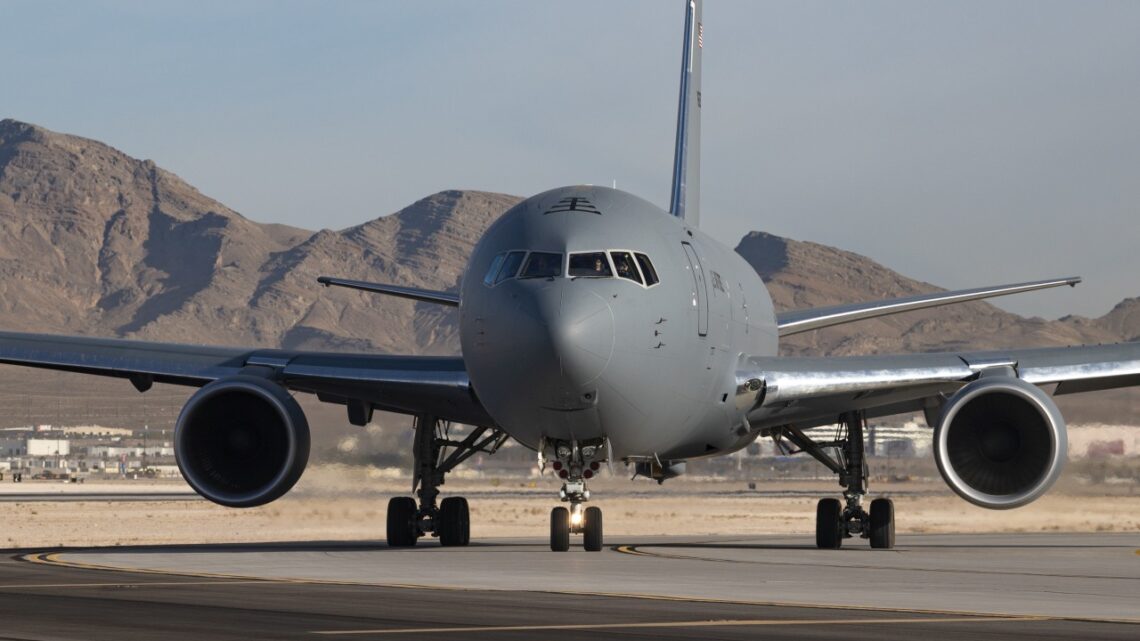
(576, 518)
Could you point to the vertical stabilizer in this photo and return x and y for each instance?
(685, 199)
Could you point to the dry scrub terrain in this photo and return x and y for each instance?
(336, 503)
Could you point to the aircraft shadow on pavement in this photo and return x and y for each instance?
(264, 546)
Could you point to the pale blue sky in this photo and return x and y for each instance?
(963, 143)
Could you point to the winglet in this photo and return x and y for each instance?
(414, 293)
(806, 320)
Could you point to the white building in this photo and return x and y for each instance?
(48, 447)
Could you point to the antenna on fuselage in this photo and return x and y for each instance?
(685, 198)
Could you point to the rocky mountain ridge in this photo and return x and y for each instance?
(95, 242)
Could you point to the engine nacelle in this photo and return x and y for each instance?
(242, 441)
(1000, 443)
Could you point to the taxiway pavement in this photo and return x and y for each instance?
(948, 586)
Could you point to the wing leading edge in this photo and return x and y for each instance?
(813, 391)
(806, 320)
(414, 293)
(405, 384)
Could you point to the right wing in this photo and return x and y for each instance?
(805, 320)
(814, 391)
(406, 384)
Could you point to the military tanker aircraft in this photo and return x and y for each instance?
(596, 329)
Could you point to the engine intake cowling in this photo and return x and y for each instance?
(1000, 443)
(242, 441)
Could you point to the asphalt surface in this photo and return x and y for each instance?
(58, 595)
(62, 497)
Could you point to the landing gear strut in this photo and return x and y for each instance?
(575, 463)
(835, 521)
(449, 519)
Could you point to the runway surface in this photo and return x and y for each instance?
(62, 497)
(948, 586)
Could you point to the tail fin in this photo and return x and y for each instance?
(685, 200)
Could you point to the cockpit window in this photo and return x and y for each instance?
(493, 270)
(590, 265)
(510, 266)
(647, 269)
(626, 268)
(542, 265)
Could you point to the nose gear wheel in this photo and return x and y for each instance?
(575, 462)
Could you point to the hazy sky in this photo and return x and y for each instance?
(962, 143)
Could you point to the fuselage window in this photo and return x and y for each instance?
(493, 270)
(542, 265)
(626, 268)
(510, 266)
(590, 265)
(647, 269)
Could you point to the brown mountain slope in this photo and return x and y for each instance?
(95, 242)
(803, 275)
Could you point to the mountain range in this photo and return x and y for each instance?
(93, 241)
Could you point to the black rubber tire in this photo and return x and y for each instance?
(402, 528)
(882, 524)
(828, 524)
(559, 529)
(592, 529)
(454, 521)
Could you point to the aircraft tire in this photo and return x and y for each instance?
(454, 521)
(882, 524)
(402, 528)
(828, 524)
(592, 530)
(559, 529)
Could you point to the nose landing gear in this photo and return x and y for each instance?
(575, 464)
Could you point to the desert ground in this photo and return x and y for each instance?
(336, 503)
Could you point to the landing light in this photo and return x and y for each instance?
(576, 518)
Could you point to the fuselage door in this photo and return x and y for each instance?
(700, 289)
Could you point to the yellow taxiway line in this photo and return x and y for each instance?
(706, 623)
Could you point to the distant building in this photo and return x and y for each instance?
(48, 447)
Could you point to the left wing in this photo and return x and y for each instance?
(414, 293)
(405, 384)
(814, 391)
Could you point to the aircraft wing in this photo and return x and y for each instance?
(405, 384)
(414, 293)
(809, 392)
(805, 320)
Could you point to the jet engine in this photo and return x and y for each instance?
(242, 441)
(1000, 443)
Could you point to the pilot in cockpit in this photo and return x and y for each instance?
(625, 270)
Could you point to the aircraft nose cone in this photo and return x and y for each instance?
(582, 334)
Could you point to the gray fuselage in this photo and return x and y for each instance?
(653, 368)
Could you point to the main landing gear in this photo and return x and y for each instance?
(835, 520)
(575, 463)
(449, 520)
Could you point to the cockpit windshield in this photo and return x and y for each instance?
(590, 265)
(626, 268)
(542, 265)
(520, 264)
(510, 266)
